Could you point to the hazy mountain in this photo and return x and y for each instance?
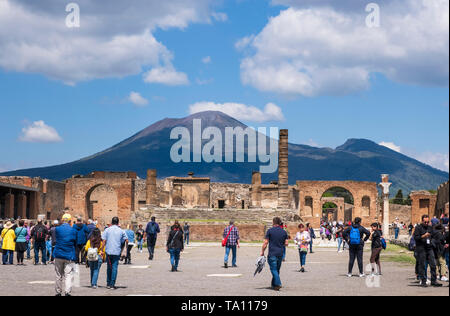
(357, 159)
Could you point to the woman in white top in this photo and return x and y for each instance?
(302, 240)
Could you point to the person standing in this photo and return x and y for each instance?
(187, 233)
(152, 230)
(39, 235)
(175, 245)
(425, 253)
(115, 241)
(340, 237)
(396, 228)
(312, 234)
(302, 240)
(377, 247)
(276, 238)
(21, 242)
(66, 238)
(8, 245)
(140, 238)
(29, 228)
(354, 236)
(53, 239)
(95, 249)
(231, 234)
(82, 234)
(131, 239)
(444, 220)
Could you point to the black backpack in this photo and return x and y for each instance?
(39, 234)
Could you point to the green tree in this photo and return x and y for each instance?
(399, 198)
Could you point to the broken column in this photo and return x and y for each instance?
(283, 170)
(152, 198)
(256, 189)
(385, 185)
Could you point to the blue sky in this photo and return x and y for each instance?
(66, 93)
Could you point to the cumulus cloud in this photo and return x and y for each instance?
(39, 132)
(166, 75)
(392, 146)
(325, 48)
(240, 111)
(137, 99)
(114, 40)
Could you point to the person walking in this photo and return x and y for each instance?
(53, 240)
(276, 238)
(39, 235)
(187, 233)
(82, 234)
(438, 241)
(354, 236)
(175, 245)
(151, 231)
(302, 240)
(21, 242)
(29, 228)
(66, 239)
(140, 238)
(312, 234)
(340, 237)
(231, 243)
(425, 254)
(95, 249)
(377, 247)
(115, 241)
(8, 243)
(131, 240)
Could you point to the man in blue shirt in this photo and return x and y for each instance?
(116, 240)
(152, 232)
(276, 239)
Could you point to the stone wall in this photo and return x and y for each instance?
(234, 195)
(442, 202)
(53, 199)
(423, 203)
(402, 212)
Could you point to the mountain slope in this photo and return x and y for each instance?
(357, 159)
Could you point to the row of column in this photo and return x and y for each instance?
(21, 205)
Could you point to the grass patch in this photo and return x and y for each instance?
(400, 258)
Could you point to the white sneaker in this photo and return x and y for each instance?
(349, 275)
(362, 275)
(444, 279)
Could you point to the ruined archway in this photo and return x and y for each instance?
(344, 201)
(102, 203)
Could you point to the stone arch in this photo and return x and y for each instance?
(308, 209)
(102, 203)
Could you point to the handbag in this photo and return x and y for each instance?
(225, 240)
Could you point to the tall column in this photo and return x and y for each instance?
(256, 189)
(151, 188)
(34, 205)
(9, 205)
(283, 170)
(385, 185)
(22, 205)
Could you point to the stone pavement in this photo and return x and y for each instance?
(202, 275)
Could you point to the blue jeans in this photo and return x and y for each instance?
(302, 258)
(227, 254)
(8, 256)
(284, 253)
(446, 259)
(186, 238)
(28, 250)
(140, 245)
(339, 241)
(112, 270)
(397, 232)
(174, 257)
(95, 270)
(311, 245)
(40, 245)
(151, 243)
(275, 266)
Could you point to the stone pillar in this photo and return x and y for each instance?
(152, 198)
(283, 170)
(34, 205)
(9, 205)
(22, 206)
(256, 189)
(385, 185)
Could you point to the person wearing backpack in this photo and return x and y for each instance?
(355, 236)
(377, 247)
(151, 231)
(175, 245)
(313, 236)
(95, 250)
(39, 235)
(8, 243)
(82, 234)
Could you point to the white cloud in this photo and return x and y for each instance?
(321, 48)
(114, 39)
(137, 99)
(220, 16)
(239, 111)
(39, 132)
(392, 146)
(206, 60)
(166, 75)
(436, 160)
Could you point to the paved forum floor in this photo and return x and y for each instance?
(326, 275)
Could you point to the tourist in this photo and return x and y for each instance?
(151, 231)
(396, 228)
(39, 235)
(410, 229)
(53, 239)
(354, 236)
(340, 238)
(140, 238)
(115, 240)
(276, 238)
(29, 228)
(8, 243)
(95, 249)
(90, 227)
(377, 247)
(187, 233)
(82, 234)
(435, 221)
(423, 237)
(284, 226)
(302, 240)
(232, 239)
(131, 239)
(66, 238)
(312, 234)
(21, 242)
(446, 251)
(175, 245)
(444, 220)
(438, 241)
